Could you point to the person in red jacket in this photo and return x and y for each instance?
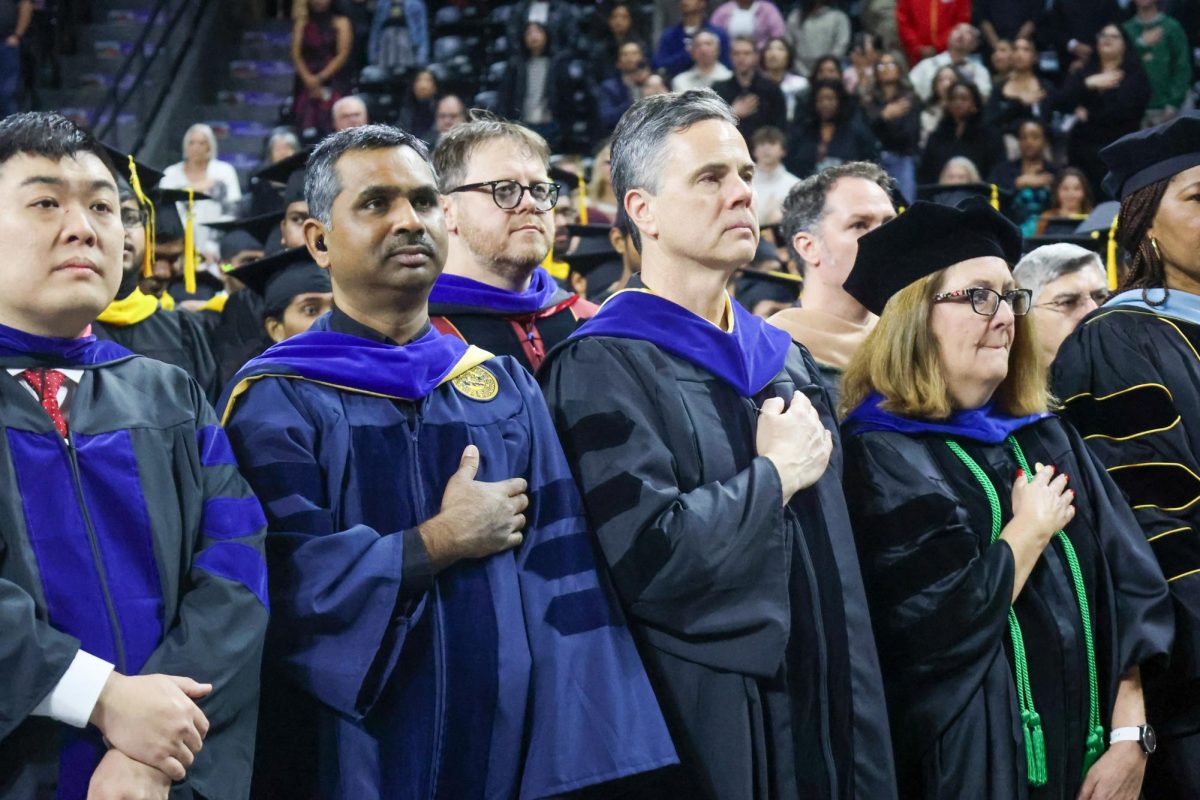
(924, 25)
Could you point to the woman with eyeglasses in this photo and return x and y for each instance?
(1013, 599)
(1130, 381)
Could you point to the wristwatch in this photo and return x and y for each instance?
(1142, 734)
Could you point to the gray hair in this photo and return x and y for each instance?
(708, 35)
(208, 134)
(641, 137)
(282, 135)
(347, 100)
(804, 206)
(1048, 263)
(321, 184)
(967, 164)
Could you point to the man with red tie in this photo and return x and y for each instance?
(132, 579)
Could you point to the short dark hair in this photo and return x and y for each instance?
(455, 146)
(321, 184)
(805, 203)
(49, 135)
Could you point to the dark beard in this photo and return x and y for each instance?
(129, 281)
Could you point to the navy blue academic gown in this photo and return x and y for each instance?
(502, 677)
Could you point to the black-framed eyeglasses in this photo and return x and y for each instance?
(133, 218)
(508, 194)
(986, 301)
(1074, 302)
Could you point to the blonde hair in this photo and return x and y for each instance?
(900, 360)
(600, 189)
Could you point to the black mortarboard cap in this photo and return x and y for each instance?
(754, 286)
(1098, 223)
(592, 253)
(1061, 226)
(168, 225)
(281, 170)
(260, 227)
(148, 176)
(953, 194)
(592, 231)
(293, 192)
(236, 242)
(564, 177)
(1101, 227)
(765, 252)
(1139, 159)
(161, 196)
(283, 276)
(926, 238)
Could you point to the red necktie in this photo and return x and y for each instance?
(47, 382)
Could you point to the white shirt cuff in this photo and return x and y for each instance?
(72, 701)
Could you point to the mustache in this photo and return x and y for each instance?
(418, 242)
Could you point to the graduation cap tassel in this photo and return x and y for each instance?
(583, 209)
(995, 201)
(1111, 259)
(189, 246)
(1035, 748)
(135, 183)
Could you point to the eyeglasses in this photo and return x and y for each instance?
(508, 194)
(987, 301)
(1074, 302)
(131, 218)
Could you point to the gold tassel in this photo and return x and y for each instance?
(583, 217)
(1111, 260)
(995, 197)
(148, 229)
(189, 245)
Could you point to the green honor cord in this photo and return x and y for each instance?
(1035, 743)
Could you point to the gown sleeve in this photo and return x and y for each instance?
(939, 602)
(217, 635)
(587, 674)
(1144, 623)
(33, 656)
(197, 343)
(1127, 383)
(701, 564)
(333, 591)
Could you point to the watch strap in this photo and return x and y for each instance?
(1132, 733)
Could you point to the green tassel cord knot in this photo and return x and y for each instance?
(1031, 721)
(1035, 748)
(1095, 748)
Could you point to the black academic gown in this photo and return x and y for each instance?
(749, 614)
(238, 334)
(139, 541)
(174, 337)
(940, 595)
(1130, 382)
(525, 337)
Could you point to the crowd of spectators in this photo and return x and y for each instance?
(1019, 93)
(1011, 93)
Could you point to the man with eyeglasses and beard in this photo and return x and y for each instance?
(499, 204)
(135, 319)
(438, 628)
